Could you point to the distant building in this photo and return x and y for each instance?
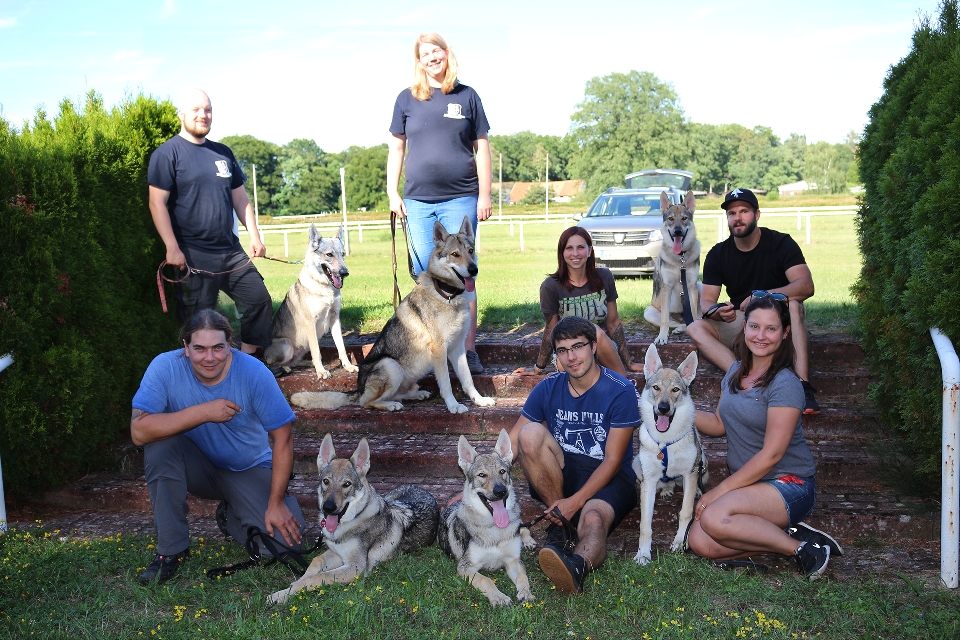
(794, 188)
(562, 190)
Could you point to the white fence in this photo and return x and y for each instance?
(804, 216)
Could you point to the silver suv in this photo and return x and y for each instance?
(625, 223)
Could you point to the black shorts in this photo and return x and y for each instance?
(620, 493)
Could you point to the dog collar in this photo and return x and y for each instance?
(447, 292)
(664, 458)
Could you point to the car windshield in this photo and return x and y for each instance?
(626, 205)
(679, 181)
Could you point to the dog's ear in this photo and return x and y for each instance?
(664, 202)
(690, 202)
(467, 228)
(651, 362)
(361, 457)
(503, 447)
(440, 234)
(466, 454)
(688, 368)
(327, 454)
(315, 236)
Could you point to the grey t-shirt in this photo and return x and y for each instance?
(744, 416)
(579, 301)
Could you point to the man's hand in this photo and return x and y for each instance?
(727, 313)
(257, 250)
(176, 258)
(568, 508)
(278, 517)
(220, 410)
(397, 206)
(484, 208)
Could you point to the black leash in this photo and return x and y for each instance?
(393, 247)
(684, 293)
(288, 556)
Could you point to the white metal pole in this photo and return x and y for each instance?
(256, 208)
(5, 362)
(798, 219)
(546, 182)
(521, 236)
(720, 228)
(286, 245)
(808, 227)
(343, 205)
(950, 481)
(500, 190)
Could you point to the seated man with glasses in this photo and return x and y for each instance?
(574, 441)
(752, 260)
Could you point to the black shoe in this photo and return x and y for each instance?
(811, 407)
(473, 362)
(812, 559)
(163, 567)
(560, 537)
(805, 533)
(566, 570)
(221, 518)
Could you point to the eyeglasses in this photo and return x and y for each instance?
(561, 351)
(760, 293)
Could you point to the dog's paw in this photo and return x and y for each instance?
(348, 367)
(642, 558)
(526, 540)
(484, 401)
(525, 595)
(322, 374)
(393, 406)
(456, 408)
(681, 329)
(666, 493)
(679, 543)
(499, 599)
(661, 338)
(278, 597)
(420, 395)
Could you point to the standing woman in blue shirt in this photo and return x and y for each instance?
(440, 128)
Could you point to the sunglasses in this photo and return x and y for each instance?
(760, 293)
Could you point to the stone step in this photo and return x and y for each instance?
(498, 381)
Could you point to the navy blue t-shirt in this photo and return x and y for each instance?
(764, 267)
(440, 133)
(200, 179)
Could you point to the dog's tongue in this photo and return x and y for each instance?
(500, 516)
(469, 283)
(663, 424)
(336, 280)
(678, 244)
(331, 522)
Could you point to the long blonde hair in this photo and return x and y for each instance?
(421, 86)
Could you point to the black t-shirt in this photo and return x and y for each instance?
(579, 301)
(765, 267)
(440, 132)
(200, 179)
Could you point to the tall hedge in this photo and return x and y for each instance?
(79, 308)
(910, 234)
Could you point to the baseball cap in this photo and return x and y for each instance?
(740, 194)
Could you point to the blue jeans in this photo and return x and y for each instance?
(421, 217)
(799, 495)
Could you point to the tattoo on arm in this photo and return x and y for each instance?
(546, 349)
(136, 414)
(620, 340)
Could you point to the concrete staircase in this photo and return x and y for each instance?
(419, 445)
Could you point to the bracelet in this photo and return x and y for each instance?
(538, 369)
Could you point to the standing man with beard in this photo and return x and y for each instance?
(753, 259)
(195, 187)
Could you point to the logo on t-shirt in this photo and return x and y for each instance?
(580, 432)
(454, 111)
(223, 169)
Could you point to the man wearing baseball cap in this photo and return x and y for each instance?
(753, 259)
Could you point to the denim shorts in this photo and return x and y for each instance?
(799, 495)
(620, 493)
(421, 217)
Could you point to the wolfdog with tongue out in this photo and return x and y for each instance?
(482, 529)
(360, 528)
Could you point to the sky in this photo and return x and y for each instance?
(331, 71)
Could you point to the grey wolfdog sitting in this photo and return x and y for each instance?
(311, 309)
(427, 330)
(482, 529)
(360, 528)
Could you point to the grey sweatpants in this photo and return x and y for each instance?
(175, 467)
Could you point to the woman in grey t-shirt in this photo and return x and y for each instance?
(578, 288)
(760, 506)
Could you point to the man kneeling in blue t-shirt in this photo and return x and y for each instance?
(213, 422)
(574, 441)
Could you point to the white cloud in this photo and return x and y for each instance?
(169, 8)
(7, 22)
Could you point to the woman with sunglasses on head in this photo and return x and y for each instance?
(579, 288)
(760, 506)
(440, 127)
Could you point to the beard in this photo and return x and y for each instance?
(194, 128)
(745, 231)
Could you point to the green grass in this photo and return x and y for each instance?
(509, 283)
(68, 588)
